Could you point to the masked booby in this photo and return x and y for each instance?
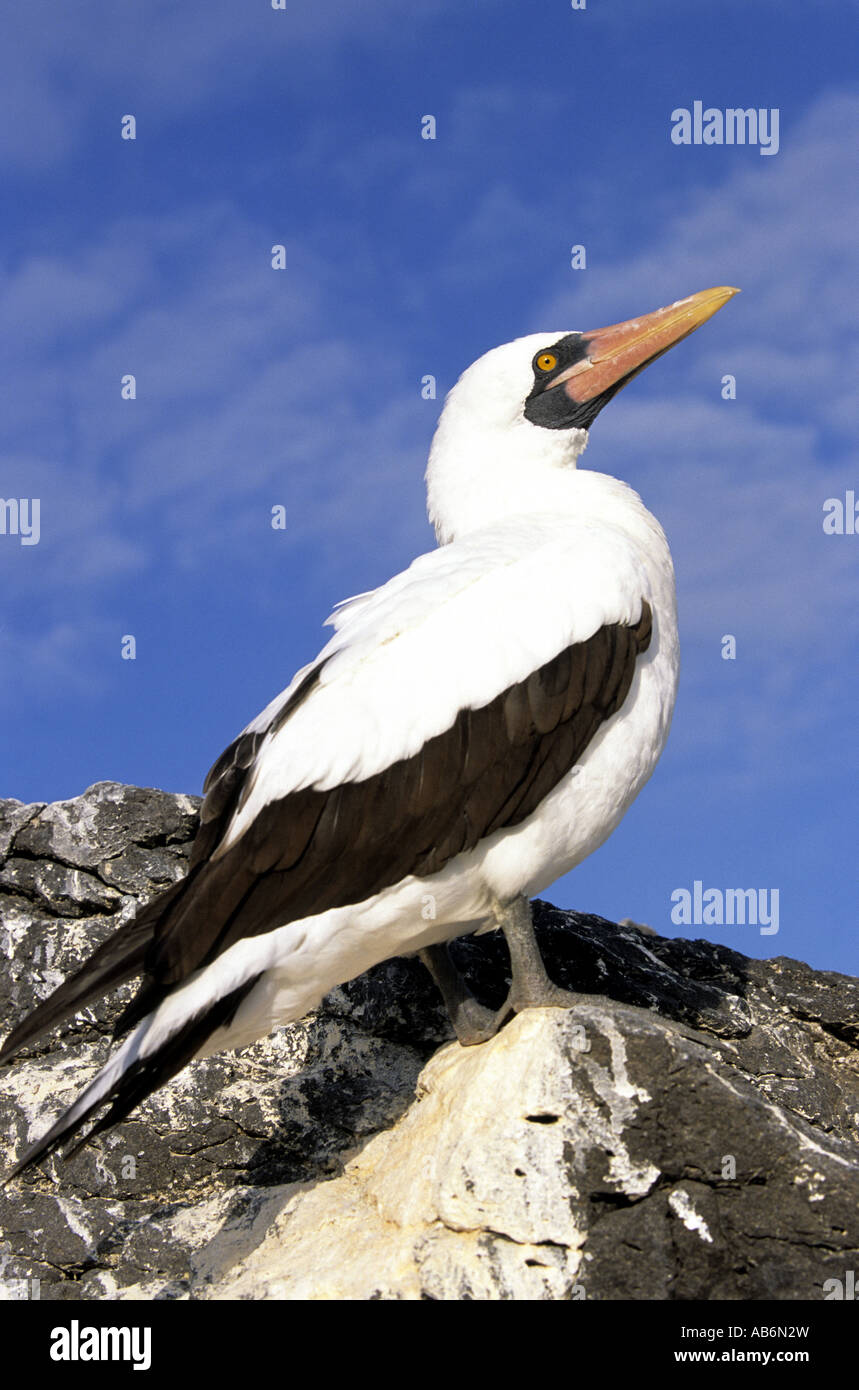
(474, 729)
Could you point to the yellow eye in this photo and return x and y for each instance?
(547, 361)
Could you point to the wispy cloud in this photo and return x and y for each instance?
(63, 67)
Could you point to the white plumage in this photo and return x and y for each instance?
(461, 624)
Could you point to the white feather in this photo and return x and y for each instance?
(461, 625)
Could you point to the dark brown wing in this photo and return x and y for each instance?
(316, 850)
(226, 780)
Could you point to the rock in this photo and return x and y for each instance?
(688, 1131)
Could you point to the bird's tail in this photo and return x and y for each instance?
(160, 1045)
(118, 959)
(171, 1025)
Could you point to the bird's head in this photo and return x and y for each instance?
(529, 404)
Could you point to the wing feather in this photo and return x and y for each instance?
(420, 729)
(489, 771)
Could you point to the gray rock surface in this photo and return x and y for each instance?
(690, 1131)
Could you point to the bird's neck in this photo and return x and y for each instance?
(478, 476)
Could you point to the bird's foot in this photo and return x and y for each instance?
(530, 987)
(472, 1022)
(548, 996)
(475, 1024)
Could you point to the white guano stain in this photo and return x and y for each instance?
(681, 1204)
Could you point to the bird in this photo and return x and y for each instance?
(473, 729)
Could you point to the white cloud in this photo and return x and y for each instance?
(62, 64)
(245, 399)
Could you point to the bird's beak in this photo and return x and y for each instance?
(618, 353)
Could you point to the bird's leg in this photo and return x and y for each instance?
(472, 1022)
(530, 986)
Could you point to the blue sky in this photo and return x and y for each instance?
(407, 257)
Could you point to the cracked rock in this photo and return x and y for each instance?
(688, 1131)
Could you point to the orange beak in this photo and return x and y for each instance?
(616, 354)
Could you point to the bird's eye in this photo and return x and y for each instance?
(547, 361)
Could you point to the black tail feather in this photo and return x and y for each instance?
(118, 959)
(45, 1146)
(139, 1080)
